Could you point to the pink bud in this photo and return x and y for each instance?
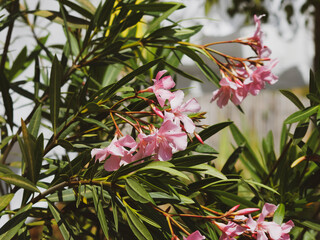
(246, 211)
(234, 208)
(198, 137)
(157, 111)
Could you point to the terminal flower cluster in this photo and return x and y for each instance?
(259, 229)
(241, 76)
(160, 143)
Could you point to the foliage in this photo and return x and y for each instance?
(99, 88)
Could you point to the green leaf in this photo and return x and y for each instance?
(232, 200)
(6, 97)
(204, 134)
(192, 160)
(137, 192)
(261, 185)
(309, 224)
(205, 148)
(100, 212)
(18, 181)
(12, 227)
(5, 200)
(141, 70)
(210, 170)
(182, 73)
(250, 161)
(96, 122)
(164, 167)
(29, 149)
(53, 16)
(5, 141)
(279, 214)
(5, 169)
(153, 7)
(55, 86)
(136, 225)
(34, 125)
(301, 115)
(158, 20)
(293, 98)
(60, 221)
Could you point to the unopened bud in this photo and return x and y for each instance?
(198, 137)
(157, 111)
(246, 211)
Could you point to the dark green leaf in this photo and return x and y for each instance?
(153, 7)
(55, 85)
(301, 115)
(7, 100)
(158, 20)
(5, 200)
(137, 227)
(60, 221)
(100, 212)
(18, 181)
(11, 228)
(192, 160)
(137, 192)
(5, 169)
(34, 125)
(293, 98)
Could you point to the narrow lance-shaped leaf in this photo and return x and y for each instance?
(29, 147)
(18, 181)
(99, 211)
(61, 223)
(34, 125)
(136, 225)
(301, 115)
(55, 85)
(11, 228)
(5, 200)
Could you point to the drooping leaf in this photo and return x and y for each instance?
(100, 212)
(301, 115)
(293, 98)
(18, 181)
(60, 222)
(137, 226)
(137, 192)
(5, 200)
(34, 125)
(11, 228)
(55, 86)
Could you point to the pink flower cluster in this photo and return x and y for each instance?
(260, 229)
(159, 143)
(243, 76)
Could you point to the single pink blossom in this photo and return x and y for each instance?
(259, 76)
(117, 151)
(229, 89)
(286, 228)
(195, 236)
(161, 87)
(178, 111)
(163, 142)
(230, 230)
(261, 227)
(262, 51)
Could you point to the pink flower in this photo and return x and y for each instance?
(161, 86)
(261, 227)
(195, 236)
(178, 109)
(117, 151)
(230, 230)
(286, 228)
(262, 51)
(259, 76)
(165, 141)
(229, 89)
